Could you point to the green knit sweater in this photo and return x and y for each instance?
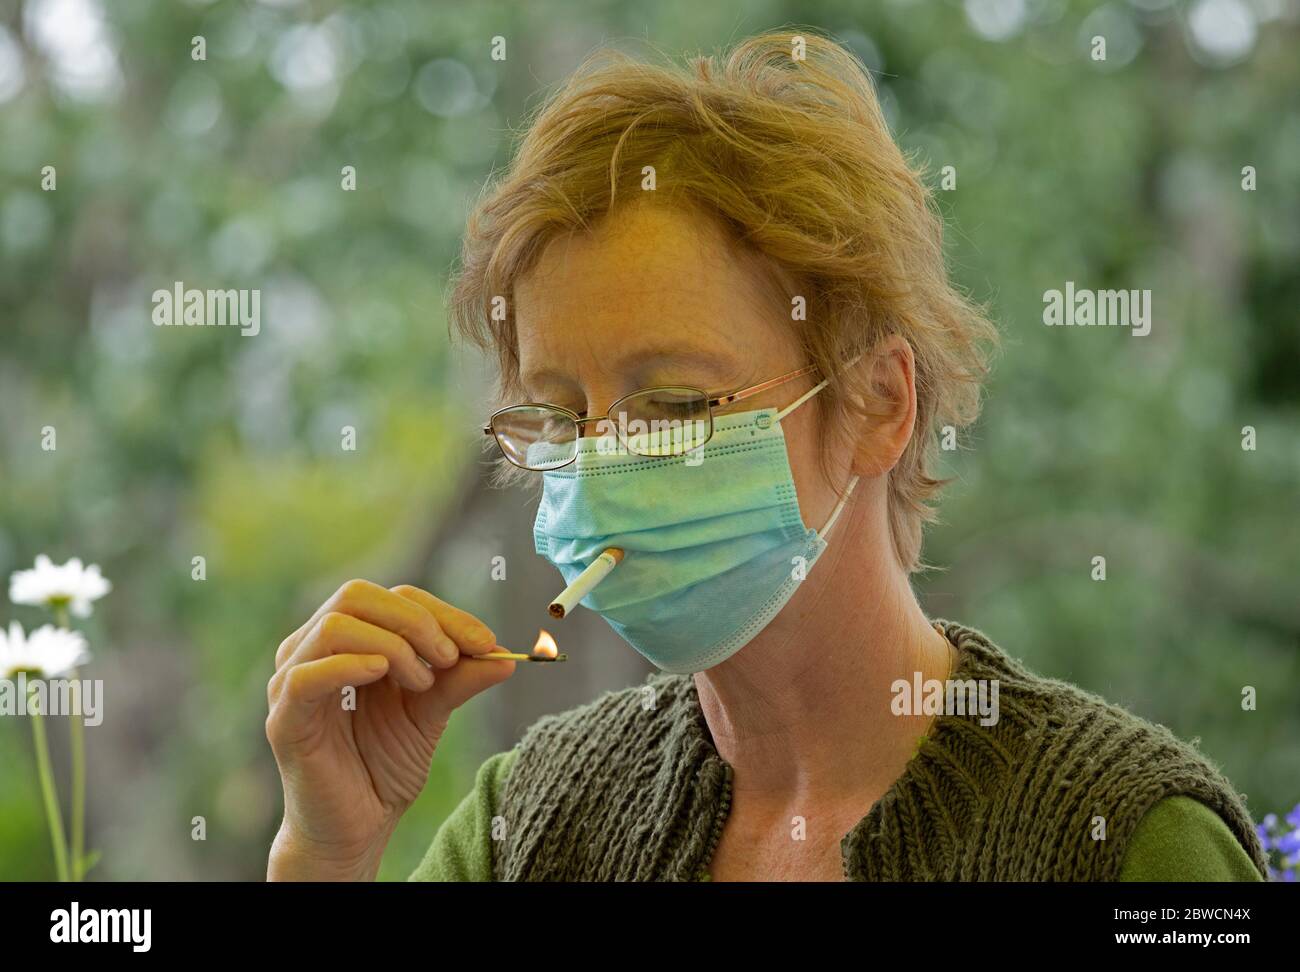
(622, 789)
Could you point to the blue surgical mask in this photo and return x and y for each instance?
(715, 544)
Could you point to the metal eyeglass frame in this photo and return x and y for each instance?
(712, 402)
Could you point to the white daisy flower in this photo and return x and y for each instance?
(51, 586)
(45, 653)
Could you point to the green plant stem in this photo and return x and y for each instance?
(50, 795)
(77, 743)
(77, 739)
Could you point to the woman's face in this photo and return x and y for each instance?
(658, 296)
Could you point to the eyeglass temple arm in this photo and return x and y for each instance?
(761, 387)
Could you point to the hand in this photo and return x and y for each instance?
(350, 773)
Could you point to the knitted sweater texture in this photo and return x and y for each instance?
(631, 788)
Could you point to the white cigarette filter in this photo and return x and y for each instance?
(586, 582)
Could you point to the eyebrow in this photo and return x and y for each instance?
(544, 376)
(671, 358)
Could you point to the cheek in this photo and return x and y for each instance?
(805, 445)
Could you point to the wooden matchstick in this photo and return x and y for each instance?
(517, 656)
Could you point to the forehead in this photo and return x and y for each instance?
(644, 275)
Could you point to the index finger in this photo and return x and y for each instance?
(471, 635)
(378, 605)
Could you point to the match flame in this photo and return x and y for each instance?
(546, 645)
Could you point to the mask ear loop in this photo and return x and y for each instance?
(802, 398)
(812, 391)
(839, 508)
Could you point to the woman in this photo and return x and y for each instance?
(720, 297)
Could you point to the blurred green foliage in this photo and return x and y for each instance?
(177, 442)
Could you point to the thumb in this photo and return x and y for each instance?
(454, 687)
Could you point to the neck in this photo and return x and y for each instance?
(803, 711)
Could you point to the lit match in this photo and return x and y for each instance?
(517, 656)
(586, 582)
(544, 651)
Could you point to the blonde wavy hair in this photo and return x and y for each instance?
(794, 157)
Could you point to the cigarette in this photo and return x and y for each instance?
(517, 656)
(586, 582)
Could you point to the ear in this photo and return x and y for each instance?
(892, 416)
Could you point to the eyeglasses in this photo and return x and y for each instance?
(668, 420)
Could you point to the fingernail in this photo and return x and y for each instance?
(376, 663)
(447, 648)
(482, 636)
